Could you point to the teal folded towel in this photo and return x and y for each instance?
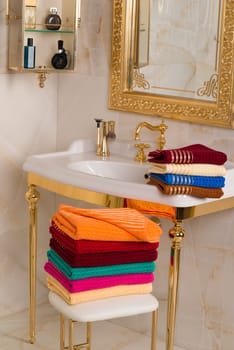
(75, 273)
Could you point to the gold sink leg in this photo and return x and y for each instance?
(176, 235)
(32, 196)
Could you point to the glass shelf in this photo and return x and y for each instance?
(63, 31)
(45, 69)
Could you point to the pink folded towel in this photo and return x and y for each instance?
(74, 286)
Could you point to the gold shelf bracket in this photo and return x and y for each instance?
(42, 77)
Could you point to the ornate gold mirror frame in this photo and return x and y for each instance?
(122, 97)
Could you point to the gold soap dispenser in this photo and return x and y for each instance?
(99, 136)
(105, 152)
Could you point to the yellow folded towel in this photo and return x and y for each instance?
(96, 294)
(188, 169)
(109, 224)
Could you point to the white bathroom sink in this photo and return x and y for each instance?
(117, 175)
(112, 169)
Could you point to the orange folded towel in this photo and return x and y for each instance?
(109, 224)
(156, 209)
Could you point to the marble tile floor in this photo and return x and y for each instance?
(105, 335)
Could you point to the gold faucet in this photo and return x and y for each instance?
(161, 128)
(140, 156)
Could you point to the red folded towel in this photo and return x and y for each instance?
(102, 259)
(87, 246)
(196, 153)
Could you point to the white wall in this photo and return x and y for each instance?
(34, 120)
(28, 125)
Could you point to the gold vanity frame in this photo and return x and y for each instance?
(176, 235)
(219, 113)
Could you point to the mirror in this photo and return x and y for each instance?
(174, 59)
(142, 34)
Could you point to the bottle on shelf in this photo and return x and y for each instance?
(29, 54)
(53, 20)
(30, 14)
(61, 59)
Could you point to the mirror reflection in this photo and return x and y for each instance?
(178, 46)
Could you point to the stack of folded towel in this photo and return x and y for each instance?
(100, 253)
(195, 170)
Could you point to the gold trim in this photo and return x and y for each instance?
(32, 196)
(62, 332)
(176, 235)
(217, 36)
(217, 113)
(75, 192)
(87, 344)
(142, 23)
(139, 80)
(154, 329)
(42, 76)
(205, 209)
(210, 87)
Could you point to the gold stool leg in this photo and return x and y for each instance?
(32, 196)
(154, 329)
(176, 235)
(71, 329)
(88, 335)
(62, 332)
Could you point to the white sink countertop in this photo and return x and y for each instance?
(117, 175)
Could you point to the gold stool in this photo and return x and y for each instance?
(100, 310)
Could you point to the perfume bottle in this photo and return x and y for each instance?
(60, 59)
(30, 14)
(29, 54)
(53, 20)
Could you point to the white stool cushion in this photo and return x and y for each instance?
(105, 309)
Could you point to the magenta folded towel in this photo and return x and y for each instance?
(196, 153)
(75, 286)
